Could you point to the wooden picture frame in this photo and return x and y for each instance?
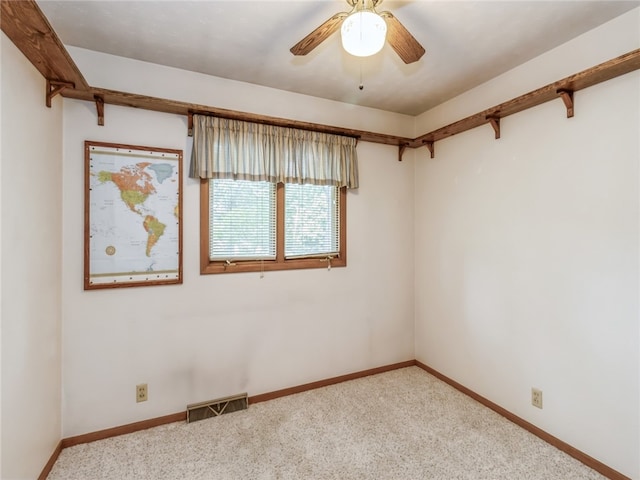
(132, 216)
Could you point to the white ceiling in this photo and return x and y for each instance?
(467, 42)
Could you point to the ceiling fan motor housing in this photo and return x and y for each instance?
(363, 33)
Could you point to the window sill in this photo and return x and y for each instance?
(209, 267)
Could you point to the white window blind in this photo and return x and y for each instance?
(311, 220)
(242, 220)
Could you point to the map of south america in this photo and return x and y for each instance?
(155, 229)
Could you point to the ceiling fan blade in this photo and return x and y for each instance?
(405, 45)
(319, 35)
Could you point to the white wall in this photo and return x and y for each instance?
(217, 335)
(31, 189)
(133, 76)
(527, 258)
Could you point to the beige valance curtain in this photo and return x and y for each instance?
(238, 150)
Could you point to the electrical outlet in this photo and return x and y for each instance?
(141, 392)
(536, 397)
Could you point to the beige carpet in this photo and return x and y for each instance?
(403, 424)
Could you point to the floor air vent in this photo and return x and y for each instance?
(214, 408)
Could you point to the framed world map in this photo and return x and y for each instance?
(133, 216)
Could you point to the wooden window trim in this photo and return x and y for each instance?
(208, 266)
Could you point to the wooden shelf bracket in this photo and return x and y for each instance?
(567, 98)
(54, 87)
(401, 148)
(430, 144)
(100, 108)
(190, 124)
(495, 123)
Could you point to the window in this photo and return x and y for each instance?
(311, 221)
(271, 197)
(242, 220)
(249, 226)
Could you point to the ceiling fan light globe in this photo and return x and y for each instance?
(363, 33)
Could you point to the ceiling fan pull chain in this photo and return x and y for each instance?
(361, 86)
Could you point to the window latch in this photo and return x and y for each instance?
(328, 260)
(228, 263)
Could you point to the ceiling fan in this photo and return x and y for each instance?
(363, 33)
